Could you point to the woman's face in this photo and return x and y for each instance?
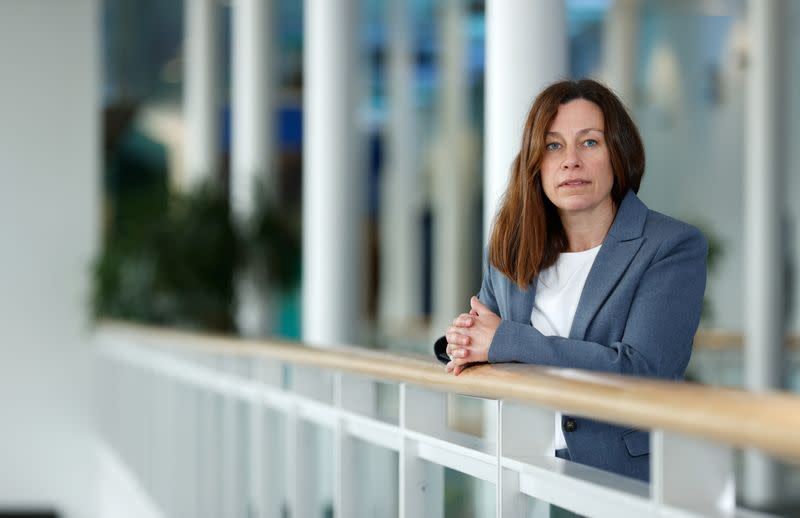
(576, 168)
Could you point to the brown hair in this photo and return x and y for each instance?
(527, 235)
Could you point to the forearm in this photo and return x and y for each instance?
(516, 342)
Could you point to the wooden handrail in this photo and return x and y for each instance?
(767, 421)
(706, 339)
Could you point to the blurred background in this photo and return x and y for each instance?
(240, 167)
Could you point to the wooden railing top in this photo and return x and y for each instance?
(766, 421)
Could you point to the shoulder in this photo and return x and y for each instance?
(668, 234)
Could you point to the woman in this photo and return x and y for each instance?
(580, 273)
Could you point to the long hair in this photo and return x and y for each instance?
(527, 235)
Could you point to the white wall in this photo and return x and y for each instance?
(49, 181)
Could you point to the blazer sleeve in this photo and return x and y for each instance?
(486, 296)
(658, 335)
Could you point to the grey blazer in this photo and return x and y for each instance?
(637, 315)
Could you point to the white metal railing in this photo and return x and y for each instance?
(213, 431)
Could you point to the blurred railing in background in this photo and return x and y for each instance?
(718, 359)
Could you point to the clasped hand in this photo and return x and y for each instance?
(470, 336)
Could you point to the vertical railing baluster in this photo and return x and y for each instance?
(267, 483)
(298, 448)
(230, 473)
(217, 451)
(344, 472)
(187, 439)
(148, 394)
(201, 445)
(691, 474)
(160, 436)
(522, 432)
(192, 418)
(257, 503)
(171, 480)
(209, 447)
(242, 373)
(305, 493)
(357, 395)
(421, 491)
(510, 502)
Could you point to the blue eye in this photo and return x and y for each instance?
(552, 146)
(590, 143)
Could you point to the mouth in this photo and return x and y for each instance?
(575, 182)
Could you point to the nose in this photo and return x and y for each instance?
(571, 160)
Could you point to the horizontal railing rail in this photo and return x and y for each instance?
(694, 427)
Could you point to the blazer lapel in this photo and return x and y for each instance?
(623, 241)
(611, 262)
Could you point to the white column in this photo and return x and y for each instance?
(200, 99)
(251, 103)
(620, 41)
(517, 69)
(400, 281)
(454, 184)
(333, 183)
(252, 167)
(764, 323)
(515, 73)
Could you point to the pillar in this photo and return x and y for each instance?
(200, 99)
(252, 167)
(454, 185)
(764, 279)
(401, 256)
(517, 68)
(620, 41)
(333, 183)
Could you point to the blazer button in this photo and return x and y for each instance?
(570, 425)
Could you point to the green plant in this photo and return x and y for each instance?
(172, 259)
(171, 266)
(272, 242)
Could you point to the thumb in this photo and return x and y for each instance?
(477, 306)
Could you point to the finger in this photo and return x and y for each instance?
(458, 352)
(458, 370)
(479, 307)
(464, 320)
(458, 361)
(456, 338)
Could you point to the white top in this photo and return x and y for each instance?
(558, 291)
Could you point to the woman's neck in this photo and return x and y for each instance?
(587, 229)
